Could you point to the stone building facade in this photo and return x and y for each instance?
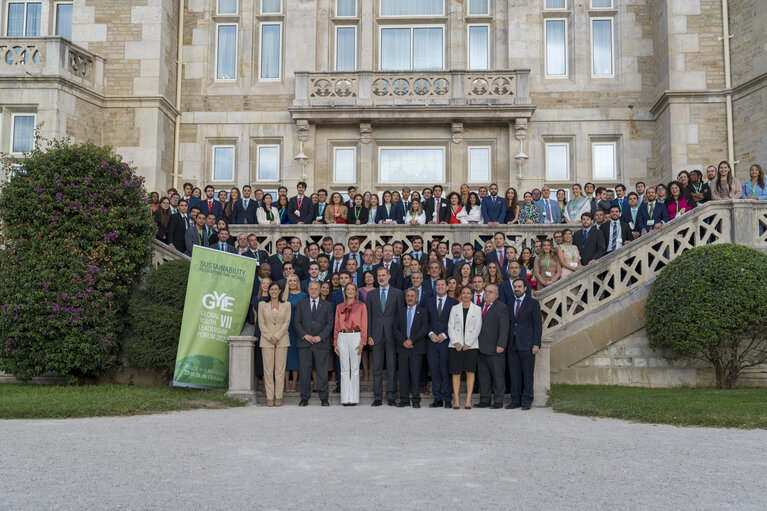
(386, 93)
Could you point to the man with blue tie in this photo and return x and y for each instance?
(620, 199)
(430, 280)
(354, 251)
(222, 245)
(382, 307)
(355, 274)
(652, 214)
(416, 282)
(589, 240)
(493, 208)
(524, 343)
(410, 331)
(367, 261)
(439, 306)
(417, 252)
(244, 210)
(548, 208)
(211, 206)
(319, 208)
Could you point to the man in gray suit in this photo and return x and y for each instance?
(548, 207)
(223, 245)
(196, 234)
(493, 338)
(314, 327)
(382, 306)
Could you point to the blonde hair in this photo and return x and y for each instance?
(286, 291)
(356, 290)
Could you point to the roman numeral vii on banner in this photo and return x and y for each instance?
(226, 321)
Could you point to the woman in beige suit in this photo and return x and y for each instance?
(463, 331)
(274, 320)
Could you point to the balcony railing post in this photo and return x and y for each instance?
(523, 87)
(302, 89)
(364, 91)
(457, 93)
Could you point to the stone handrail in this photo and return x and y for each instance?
(162, 253)
(581, 293)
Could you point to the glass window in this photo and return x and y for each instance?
(412, 7)
(268, 162)
(601, 4)
(270, 7)
(555, 4)
(23, 139)
(602, 46)
(23, 19)
(412, 165)
(604, 160)
(223, 163)
(64, 20)
(478, 47)
(556, 48)
(346, 42)
(479, 164)
(411, 48)
(270, 51)
(346, 8)
(343, 170)
(226, 52)
(477, 7)
(227, 6)
(557, 162)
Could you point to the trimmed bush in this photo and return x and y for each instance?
(711, 304)
(77, 234)
(155, 316)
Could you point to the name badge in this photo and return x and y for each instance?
(574, 264)
(548, 274)
(298, 213)
(631, 224)
(651, 222)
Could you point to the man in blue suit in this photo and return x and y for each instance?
(524, 343)
(493, 208)
(439, 308)
(514, 271)
(652, 214)
(300, 207)
(620, 199)
(193, 201)
(411, 327)
(211, 205)
(244, 211)
(498, 255)
(548, 208)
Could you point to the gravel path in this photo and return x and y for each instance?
(376, 458)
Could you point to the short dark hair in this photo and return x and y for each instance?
(640, 183)
(601, 189)
(620, 185)
(523, 281)
(246, 186)
(586, 213)
(345, 272)
(184, 201)
(614, 207)
(323, 256)
(301, 183)
(350, 188)
(634, 194)
(190, 185)
(191, 210)
(209, 186)
(322, 190)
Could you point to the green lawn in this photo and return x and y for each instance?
(737, 408)
(27, 401)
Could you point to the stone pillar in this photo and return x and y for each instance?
(745, 223)
(242, 381)
(542, 375)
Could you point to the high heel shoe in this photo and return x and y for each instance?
(270, 403)
(278, 402)
(467, 407)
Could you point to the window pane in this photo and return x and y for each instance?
(601, 3)
(227, 52)
(604, 161)
(347, 8)
(33, 20)
(223, 163)
(427, 48)
(64, 20)
(395, 48)
(270, 6)
(344, 166)
(15, 20)
(479, 164)
(603, 46)
(556, 52)
(270, 51)
(227, 6)
(555, 4)
(345, 42)
(411, 7)
(412, 165)
(268, 162)
(23, 133)
(556, 162)
(478, 58)
(478, 7)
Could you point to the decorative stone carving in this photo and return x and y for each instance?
(400, 86)
(489, 84)
(21, 54)
(303, 129)
(457, 130)
(333, 86)
(520, 128)
(366, 132)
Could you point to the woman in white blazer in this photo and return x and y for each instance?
(463, 331)
(267, 214)
(472, 212)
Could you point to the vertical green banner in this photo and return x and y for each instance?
(217, 301)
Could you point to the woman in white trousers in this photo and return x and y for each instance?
(349, 337)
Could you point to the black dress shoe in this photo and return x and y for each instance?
(352, 404)
(304, 402)
(416, 405)
(338, 389)
(377, 402)
(392, 402)
(496, 406)
(448, 404)
(325, 402)
(512, 406)
(401, 404)
(525, 407)
(482, 405)
(345, 404)
(436, 404)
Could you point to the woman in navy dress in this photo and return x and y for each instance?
(292, 295)
(282, 209)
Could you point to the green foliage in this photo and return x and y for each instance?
(78, 234)
(155, 318)
(711, 303)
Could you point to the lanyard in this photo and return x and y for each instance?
(571, 250)
(357, 212)
(388, 209)
(575, 205)
(620, 204)
(529, 210)
(697, 188)
(547, 260)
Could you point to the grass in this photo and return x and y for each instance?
(737, 408)
(28, 401)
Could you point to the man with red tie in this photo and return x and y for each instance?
(478, 285)
(395, 270)
(525, 330)
(493, 338)
(498, 255)
(300, 207)
(210, 205)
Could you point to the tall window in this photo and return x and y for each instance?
(268, 159)
(271, 42)
(64, 20)
(346, 48)
(23, 19)
(271, 6)
(603, 155)
(557, 162)
(479, 164)
(478, 7)
(479, 47)
(23, 133)
(412, 7)
(223, 163)
(343, 165)
(346, 8)
(417, 48)
(602, 46)
(412, 165)
(556, 47)
(227, 6)
(226, 52)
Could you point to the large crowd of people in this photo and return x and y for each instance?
(439, 310)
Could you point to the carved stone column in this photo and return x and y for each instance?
(242, 374)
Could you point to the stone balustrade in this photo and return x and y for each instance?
(162, 253)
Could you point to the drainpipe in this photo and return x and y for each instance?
(728, 83)
(179, 69)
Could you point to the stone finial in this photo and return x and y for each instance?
(366, 132)
(520, 128)
(457, 130)
(303, 129)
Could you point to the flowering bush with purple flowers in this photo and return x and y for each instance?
(77, 237)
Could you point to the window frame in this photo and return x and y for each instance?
(263, 13)
(442, 148)
(335, 46)
(13, 130)
(231, 146)
(260, 179)
(380, 13)
(412, 27)
(354, 16)
(611, 19)
(56, 16)
(261, 49)
(236, 9)
(471, 14)
(354, 163)
(468, 46)
(614, 145)
(236, 51)
(547, 176)
(24, 23)
(489, 149)
(554, 9)
(546, 50)
(591, 6)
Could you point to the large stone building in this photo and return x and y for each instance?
(384, 93)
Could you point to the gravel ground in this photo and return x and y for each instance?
(376, 458)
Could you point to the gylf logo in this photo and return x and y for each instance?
(222, 302)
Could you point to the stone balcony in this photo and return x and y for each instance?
(50, 58)
(402, 96)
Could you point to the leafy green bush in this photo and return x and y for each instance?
(711, 304)
(154, 315)
(77, 234)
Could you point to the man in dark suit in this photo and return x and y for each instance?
(524, 342)
(652, 214)
(590, 242)
(616, 233)
(417, 252)
(493, 208)
(244, 211)
(222, 245)
(196, 234)
(382, 306)
(354, 251)
(210, 205)
(493, 338)
(439, 307)
(178, 224)
(394, 269)
(312, 275)
(498, 254)
(449, 264)
(415, 280)
(513, 271)
(300, 207)
(259, 255)
(318, 215)
(313, 322)
(436, 208)
(189, 198)
(410, 331)
(430, 280)
(210, 228)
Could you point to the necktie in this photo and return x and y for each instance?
(387, 265)
(652, 208)
(337, 267)
(439, 308)
(500, 258)
(383, 299)
(484, 310)
(210, 206)
(614, 236)
(548, 210)
(246, 204)
(479, 301)
(314, 308)
(409, 320)
(516, 309)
